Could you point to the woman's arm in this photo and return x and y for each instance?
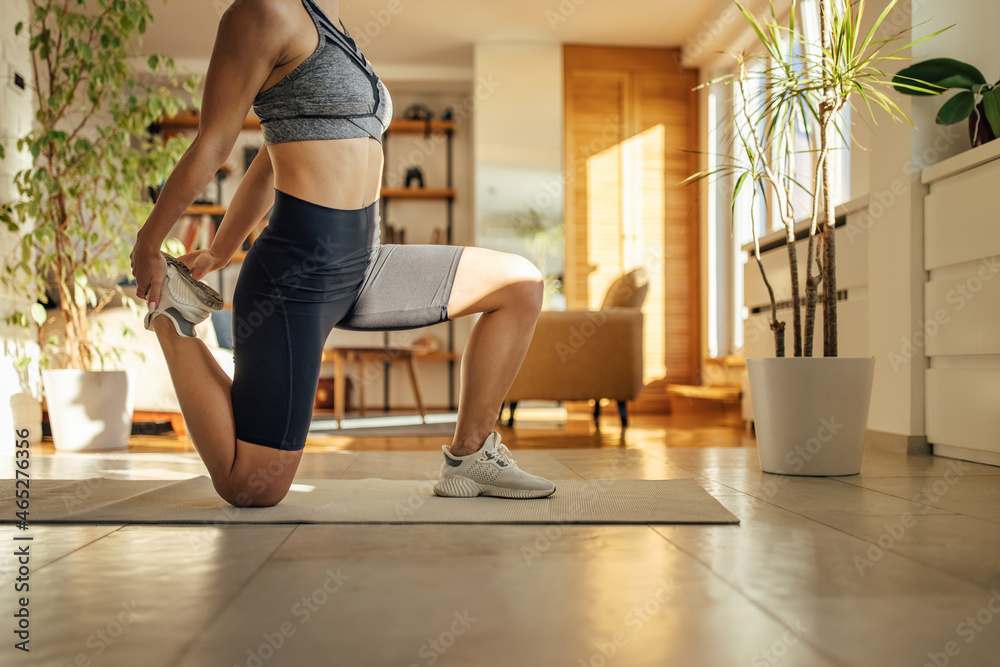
(253, 198)
(250, 41)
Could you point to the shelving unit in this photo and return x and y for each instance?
(446, 195)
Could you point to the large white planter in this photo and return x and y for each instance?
(89, 410)
(811, 413)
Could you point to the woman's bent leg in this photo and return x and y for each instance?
(244, 474)
(507, 290)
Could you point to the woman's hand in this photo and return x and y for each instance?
(149, 269)
(202, 262)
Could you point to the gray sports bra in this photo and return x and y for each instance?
(332, 94)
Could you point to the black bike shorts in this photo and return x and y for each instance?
(312, 269)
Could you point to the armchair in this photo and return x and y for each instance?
(582, 355)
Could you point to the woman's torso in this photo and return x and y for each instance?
(338, 173)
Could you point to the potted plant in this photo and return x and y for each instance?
(811, 412)
(979, 102)
(80, 203)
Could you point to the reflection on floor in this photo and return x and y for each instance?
(896, 566)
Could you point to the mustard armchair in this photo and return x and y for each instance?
(583, 354)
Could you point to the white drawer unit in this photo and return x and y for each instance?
(962, 305)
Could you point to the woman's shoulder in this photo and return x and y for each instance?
(263, 12)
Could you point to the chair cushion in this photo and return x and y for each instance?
(628, 290)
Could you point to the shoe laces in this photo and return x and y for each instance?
(501, 454)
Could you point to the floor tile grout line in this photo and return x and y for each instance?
(756, 603)
(177, 661)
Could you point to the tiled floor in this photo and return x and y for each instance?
(897, 566)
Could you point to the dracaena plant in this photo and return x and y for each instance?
(785, 82)
(81, 201)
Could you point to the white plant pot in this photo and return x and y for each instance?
(811, 413)
(89, 410)
(26, 412)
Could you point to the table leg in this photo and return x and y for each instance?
(416, 388)
(362, 367)
(338, 387)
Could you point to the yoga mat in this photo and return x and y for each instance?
(194, 501)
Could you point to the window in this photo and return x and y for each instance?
(728, 233)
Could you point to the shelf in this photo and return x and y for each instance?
(419, 126)
(435, 356)
(205, 209)
(419, 193)
(191, 121)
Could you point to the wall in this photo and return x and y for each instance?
(518, 143)
(16, 112)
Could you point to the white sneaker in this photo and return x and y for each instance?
(183, 300)
(489, 472)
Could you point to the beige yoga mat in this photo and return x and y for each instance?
(194, 501)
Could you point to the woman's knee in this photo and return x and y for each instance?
(251, 493)
(525, 281)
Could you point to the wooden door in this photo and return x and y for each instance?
(630, 137)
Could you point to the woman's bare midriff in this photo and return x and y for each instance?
(337, 173)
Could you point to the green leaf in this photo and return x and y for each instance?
(941, 74)
(38, 313)
(18, 27)
(739, 185)
(957, 109)
(991, 102)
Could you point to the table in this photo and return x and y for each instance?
(363, 355)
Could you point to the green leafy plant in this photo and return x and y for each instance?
(789, 82)
(81, 202)
(978, 101)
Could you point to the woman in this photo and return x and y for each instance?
(318, 264)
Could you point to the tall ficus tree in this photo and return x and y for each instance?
(82, 200)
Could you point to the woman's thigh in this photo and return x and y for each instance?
(486, 279)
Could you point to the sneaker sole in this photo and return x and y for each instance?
(455, 486)
(208, 296)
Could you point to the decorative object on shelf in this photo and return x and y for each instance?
(978, 101)
(427, 343)
(449, 114)
(414, 174)
(420, 112)
(394, 234)
(807, 86)
(78, 206)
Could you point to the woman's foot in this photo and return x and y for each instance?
(489, 472)
(183, 300)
